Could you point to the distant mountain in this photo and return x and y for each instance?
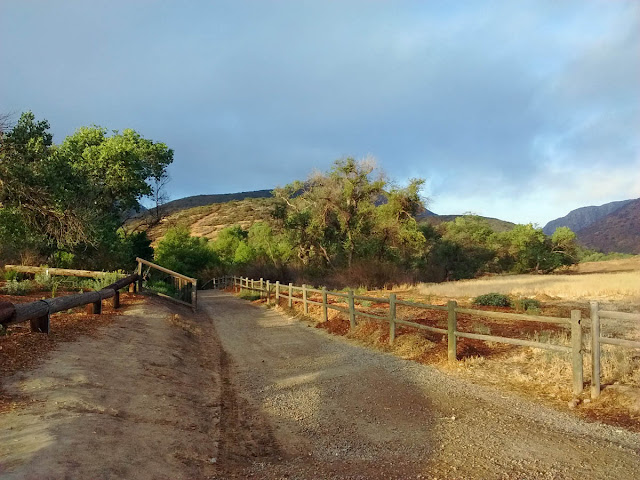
(581, 218)
(202, 200)
(496, 224)
(617, 232)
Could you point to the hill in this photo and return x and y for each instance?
(583, 217)
(617, 232)
(206, 215)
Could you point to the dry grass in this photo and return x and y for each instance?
(597, 286)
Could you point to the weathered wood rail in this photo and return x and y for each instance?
(575, 322)
(180, 282)
(66, 272)
(39, 312)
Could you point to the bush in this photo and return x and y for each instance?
(182, 253)
(492, 300)
(527, 305)
(14, 287)
(11, 275)
(249, 295)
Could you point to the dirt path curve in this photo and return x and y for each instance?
(139, 401)
(304, 404)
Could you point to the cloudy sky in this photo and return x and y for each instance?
(517, 110)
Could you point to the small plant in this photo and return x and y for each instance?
(158, 286)
(366, 303)
(249, 295)
(13, 287)
(11, 275)
(481, 328)
(3, 330)
(530, 305)
(492, 300)
(105, 280)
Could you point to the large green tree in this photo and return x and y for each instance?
(73, 196)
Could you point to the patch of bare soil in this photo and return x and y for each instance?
(133, 395)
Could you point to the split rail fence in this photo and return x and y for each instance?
(186, 287)
(39, 312)
(575, 322)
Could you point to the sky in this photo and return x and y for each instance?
(521, 110)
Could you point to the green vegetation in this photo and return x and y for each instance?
(593, 256)
(14, 287)
(65, 204)
(492, 300)
(530, 305)
(249, 295)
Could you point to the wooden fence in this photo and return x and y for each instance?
(39, 312)
(67, 272)
(575, 322)
(180, 282)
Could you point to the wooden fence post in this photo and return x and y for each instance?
(576, 352)
(277, 292)
(304, 299)
(325, 309)
(41, 324)
(595, 350)
(253, 284)
(268, 291)
(290, 295)
(352, 311)
(261, 287)
(140, 277)
(392, 318)
(94, 308)
(194, 295)
(116, 300)
(452, 344)
(132, 287)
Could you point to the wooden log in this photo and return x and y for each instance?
(27, 311)
(452, 327)
(59, 304)
(68, 272)
(595, 350)
(7, 312)
(576, 352)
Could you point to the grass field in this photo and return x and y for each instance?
(616, 280)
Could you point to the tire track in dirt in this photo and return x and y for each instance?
(328, 408)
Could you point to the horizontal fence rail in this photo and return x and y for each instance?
(66, 272)
(180, 281)
(39, 312)
(300, 294)
(597, 339)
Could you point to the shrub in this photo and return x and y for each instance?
(182, 253)
(527, 305)
(13, 287)
(492, 300)
(10, 275)
(249, 295)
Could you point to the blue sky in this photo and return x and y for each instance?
(516, 110)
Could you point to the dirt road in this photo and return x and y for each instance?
(139, 401)
(338, 410)
(240, 391)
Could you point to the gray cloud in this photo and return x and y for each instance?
(484, 99)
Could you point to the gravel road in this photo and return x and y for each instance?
(305, 404)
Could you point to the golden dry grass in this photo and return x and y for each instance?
(596, 286)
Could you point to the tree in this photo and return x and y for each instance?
(346, 214)
(181, 252)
